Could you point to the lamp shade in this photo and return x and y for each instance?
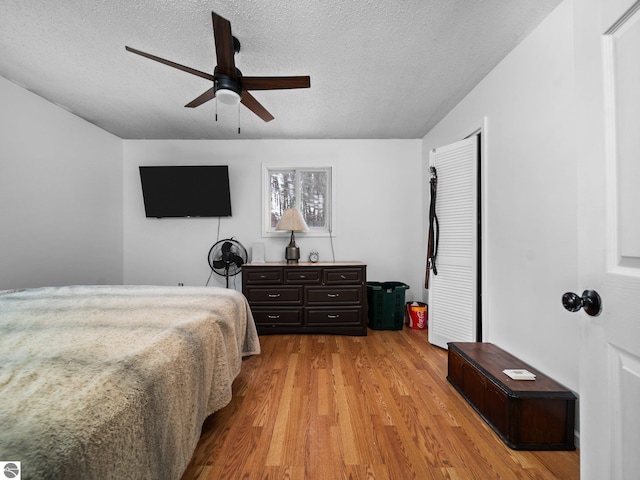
(292, 221)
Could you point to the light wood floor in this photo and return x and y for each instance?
(374, 407)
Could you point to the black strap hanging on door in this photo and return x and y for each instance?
(434, 228)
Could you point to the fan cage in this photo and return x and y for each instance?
(217, 254)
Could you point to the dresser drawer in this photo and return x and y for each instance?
(274, 295)
(334, 316)
(299, 276)
(262, 276)
(274, 317)
(344, 275)
(333, 295)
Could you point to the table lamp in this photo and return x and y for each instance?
(292, 220)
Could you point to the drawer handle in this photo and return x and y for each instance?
(302, 276)
(263, 276)
(333, 316)
(273, 317)
(333, 295)
(343, 277)
(274, 295)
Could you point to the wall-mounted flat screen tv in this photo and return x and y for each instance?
(186, 191)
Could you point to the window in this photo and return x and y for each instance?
(308, 189)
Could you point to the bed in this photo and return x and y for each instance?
(101, 382)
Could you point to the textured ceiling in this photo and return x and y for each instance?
(379, 69)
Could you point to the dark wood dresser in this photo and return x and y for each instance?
(307, 297)
(527, 414)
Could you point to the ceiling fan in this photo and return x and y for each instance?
(229, 85)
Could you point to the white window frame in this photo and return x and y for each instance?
(267, 229)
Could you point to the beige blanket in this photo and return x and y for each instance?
(115, 381)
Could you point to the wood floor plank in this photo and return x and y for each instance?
(279, 438)
(377, 407)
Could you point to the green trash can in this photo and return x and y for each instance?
(386, 305)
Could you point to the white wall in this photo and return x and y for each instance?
(73, 213)
(530, 193)
(61, 195)
(378, 207)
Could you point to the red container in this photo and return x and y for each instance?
(417, 315)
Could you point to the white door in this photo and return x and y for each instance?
(453, 291)
(607, 43)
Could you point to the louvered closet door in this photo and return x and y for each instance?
(453, 292)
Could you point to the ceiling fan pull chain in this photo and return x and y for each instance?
(238, 118)
(216, 109)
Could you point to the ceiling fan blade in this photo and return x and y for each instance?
(275, 83)
(192, 71)
(205, 97)
(256, 107)
(224, 46)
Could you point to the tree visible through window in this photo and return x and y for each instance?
(308, 189)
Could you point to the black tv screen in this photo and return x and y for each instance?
(186, 191)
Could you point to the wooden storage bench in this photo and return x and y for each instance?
(527, 414)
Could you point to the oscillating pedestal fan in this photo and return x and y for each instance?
(226, 258)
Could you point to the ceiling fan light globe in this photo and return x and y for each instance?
(228, 97)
